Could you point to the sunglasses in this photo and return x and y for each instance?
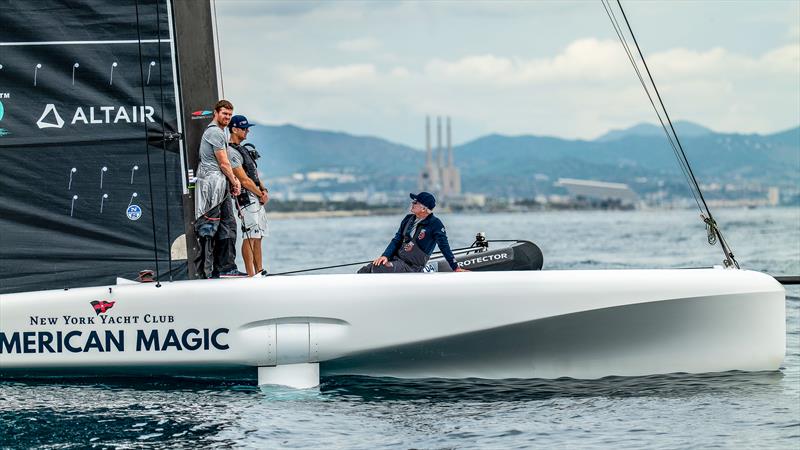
(414, 202)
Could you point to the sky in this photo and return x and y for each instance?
(547, 68)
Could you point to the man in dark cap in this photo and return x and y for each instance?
(414, 241)
(253, 197)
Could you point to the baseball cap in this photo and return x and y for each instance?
(239, 121)
(426, 198)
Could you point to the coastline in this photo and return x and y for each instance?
(280, 215)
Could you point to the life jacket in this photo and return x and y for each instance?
(250, 168)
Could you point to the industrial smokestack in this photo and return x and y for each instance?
(439, 150)
(449, 145)
(427, 141)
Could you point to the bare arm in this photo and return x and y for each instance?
(225, 166)
(247, 183)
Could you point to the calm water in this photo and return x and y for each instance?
(675, 411)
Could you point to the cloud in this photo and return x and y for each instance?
(592, 60)
(582, 59)
(359, 45)
(400, 72)
(323, 77)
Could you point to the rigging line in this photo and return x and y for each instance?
(620, 34)
(460, 250)
(730, 260)
(164, 140)
(618, 29)
(681, 163)
(219, 51)
(147, 147)
(661, 102)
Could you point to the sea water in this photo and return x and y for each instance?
(672, 411)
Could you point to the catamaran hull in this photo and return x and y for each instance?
(549, 324)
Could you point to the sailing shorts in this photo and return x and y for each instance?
(254, 220)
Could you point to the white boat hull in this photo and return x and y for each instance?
(543, 324)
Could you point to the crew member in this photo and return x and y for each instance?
(251, 201)
(414, 241)
(215, 223)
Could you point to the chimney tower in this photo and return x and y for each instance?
(439, 149)
(449, 145)
(427, 142)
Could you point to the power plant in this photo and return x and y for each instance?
(442, 180)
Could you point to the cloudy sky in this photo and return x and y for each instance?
(551, 68)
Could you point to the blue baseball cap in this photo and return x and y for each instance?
(425, 198)
(240, 122)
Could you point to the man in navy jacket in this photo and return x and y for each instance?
(414, 241)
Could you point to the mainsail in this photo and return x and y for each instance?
(92, 160)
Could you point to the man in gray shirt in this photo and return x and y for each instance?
(215, 223)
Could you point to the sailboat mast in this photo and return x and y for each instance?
(200, 88)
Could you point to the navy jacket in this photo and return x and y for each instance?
(429, 233)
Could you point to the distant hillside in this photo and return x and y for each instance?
(684, 129)
(289, 149)
(508, 165)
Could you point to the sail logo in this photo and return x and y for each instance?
(48, 110)
(201, 114)
(101, 306)
(134, 212)
(94, 115)
(3, 95)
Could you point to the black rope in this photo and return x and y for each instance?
(729, 258)
(621, 35)
(147, 146)
(164, 139)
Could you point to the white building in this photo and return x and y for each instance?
(598, 190)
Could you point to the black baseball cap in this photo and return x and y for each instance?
(425, 198)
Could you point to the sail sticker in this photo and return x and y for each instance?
(101, 306)
(57, 122)
(3, 131)
(134, 212)
(202, 114)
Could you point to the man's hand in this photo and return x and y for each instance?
(380, 261)
(264, 197)
(459, 269)
(236, 186)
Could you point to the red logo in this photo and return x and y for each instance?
(101, 306)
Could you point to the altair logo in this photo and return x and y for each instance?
(94, 115)
(50, 109)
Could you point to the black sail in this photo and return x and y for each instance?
(92, 167)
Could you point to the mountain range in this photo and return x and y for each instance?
(527, 165)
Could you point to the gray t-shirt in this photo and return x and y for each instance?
(234, 157)
(213, 139)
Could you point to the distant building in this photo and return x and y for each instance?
(442, 180)
(773, 196)
(599, 190)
